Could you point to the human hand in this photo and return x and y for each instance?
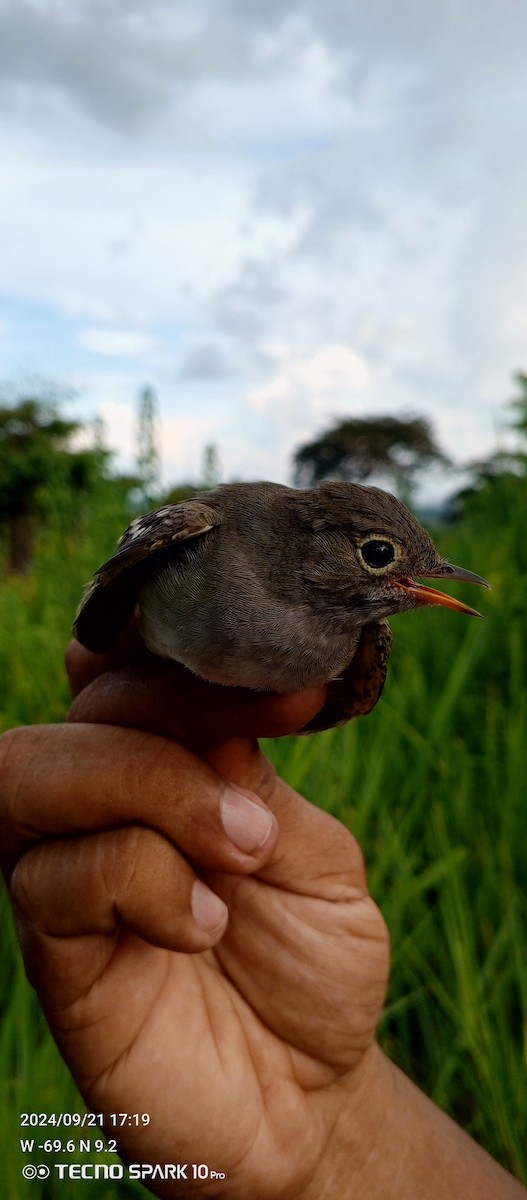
(249, 1040)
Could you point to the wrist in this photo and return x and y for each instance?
(363, 1104)
(389, 1139)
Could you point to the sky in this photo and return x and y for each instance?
(274, 214)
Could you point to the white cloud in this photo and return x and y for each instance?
(181, 441)
(324, 379)
(233, 197)
(116, 343)
(129, 243)
(115, 241)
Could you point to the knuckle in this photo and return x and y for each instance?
(124, 852)
(117, 860)
(170, 775)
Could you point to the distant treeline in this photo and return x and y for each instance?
(50, 465)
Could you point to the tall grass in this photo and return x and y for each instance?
(432, 784)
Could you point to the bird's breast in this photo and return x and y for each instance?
(240, 634)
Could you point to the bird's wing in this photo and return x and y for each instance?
(110, 598)
(359, 687)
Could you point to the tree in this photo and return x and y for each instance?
(364, 447)
(211, 475)
(148, 466)
(37, 465)
(498, 483)
(211, 467)
(519, 405)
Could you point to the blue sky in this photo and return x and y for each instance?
(275, 214)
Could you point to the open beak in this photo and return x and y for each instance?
(428, 595)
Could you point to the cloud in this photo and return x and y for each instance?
(181, 439)
(125, 64)
(229, 196)
(176, 248)
(305, 396)
(206, 361)
(96, 62)
(116, 343)
(120, 63)
(181, 442)
(325, 379)
(242, 308)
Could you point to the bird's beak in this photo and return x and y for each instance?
(428, 595)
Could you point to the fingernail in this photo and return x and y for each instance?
(208, 910)
(246, 824)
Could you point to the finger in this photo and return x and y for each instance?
(82, 667)
(129, 877)
(165, 698)
(69, 779)
(315, 853)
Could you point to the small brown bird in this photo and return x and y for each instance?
(264, 586)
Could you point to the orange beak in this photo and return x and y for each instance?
(428, 595)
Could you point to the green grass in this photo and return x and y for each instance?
(433, 785)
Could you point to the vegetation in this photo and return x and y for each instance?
(518, 404)
(432, 783)
(38, 468)
(362, 449)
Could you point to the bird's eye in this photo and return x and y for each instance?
(377, 554)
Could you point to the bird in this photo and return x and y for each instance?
(272, 588)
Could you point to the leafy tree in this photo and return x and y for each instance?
(37, 467)
(364, 447)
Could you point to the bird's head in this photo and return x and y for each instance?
(380, 553)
